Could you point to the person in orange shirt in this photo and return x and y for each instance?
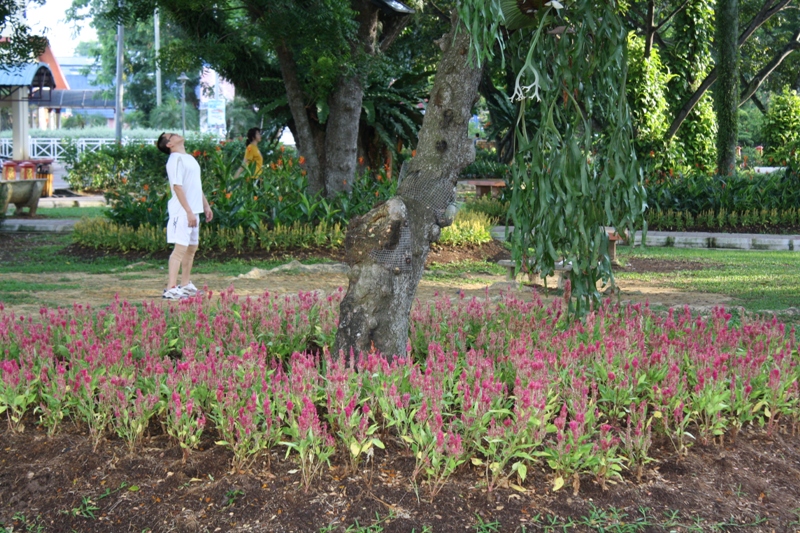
(251, 153)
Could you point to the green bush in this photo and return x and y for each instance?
(468, 228)
(766, 220)
(647, 93)
(492, 207)
(102, 233)
(781, 125)
(486, 166)
(697, 192)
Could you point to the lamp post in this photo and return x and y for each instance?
(183, 78)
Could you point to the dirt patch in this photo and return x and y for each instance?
(148, 279)
(637, 264)
(60, 484)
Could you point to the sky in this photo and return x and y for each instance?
(52, 16)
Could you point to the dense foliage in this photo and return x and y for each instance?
(19, 45)
(744, 191)
(135, 179)
(781, 128)
(577, 172)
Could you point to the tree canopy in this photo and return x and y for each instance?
(20, 46)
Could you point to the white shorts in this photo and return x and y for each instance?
(179, 232)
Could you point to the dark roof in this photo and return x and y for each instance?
(30, 75)
(79, 100)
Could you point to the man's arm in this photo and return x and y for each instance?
(207, 210)
(181, 196)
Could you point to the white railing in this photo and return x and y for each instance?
(6, 146)
(41, 148)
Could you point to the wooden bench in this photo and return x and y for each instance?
(484, 187)
(21, 193)
(613, 237)
(561, 270)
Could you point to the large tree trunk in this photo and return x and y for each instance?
(341, 135)
(387, 248)
(305, 136)
(726, 92)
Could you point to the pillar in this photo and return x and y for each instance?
(19, 116)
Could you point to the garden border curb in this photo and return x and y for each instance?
(719, 241)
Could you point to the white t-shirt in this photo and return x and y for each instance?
(183, 170)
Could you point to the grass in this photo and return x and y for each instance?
(458, 269)
(44, 254)
(22, 292)
(65, 212)
(758, 281)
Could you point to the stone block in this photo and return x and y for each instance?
(732, 243)
(770, 244)
(682, 241)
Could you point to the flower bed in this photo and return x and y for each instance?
(501, 385)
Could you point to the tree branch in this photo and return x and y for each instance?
(671, 15)
(769, 68)
(767, 10)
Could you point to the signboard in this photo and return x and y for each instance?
(213, 117)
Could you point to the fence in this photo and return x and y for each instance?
(41, 148)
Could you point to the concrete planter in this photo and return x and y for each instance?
(21, 193)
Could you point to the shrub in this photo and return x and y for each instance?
(492, 207)
(781, 125)
(773, 220)
(468, 228)
(101, 233)
(486, 166)
(697, 192)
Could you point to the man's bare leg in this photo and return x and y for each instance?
(186, 265)
(175, 262)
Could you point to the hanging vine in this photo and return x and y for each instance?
(577, 173)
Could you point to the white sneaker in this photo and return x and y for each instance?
(189, 289)
(175, 293)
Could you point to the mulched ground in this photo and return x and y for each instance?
(60, 484)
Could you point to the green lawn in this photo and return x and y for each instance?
(43, 253)
(758, 281)
(65, 212)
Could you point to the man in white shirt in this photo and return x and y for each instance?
(187, 201)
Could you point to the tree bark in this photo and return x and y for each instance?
(305, 134)
(768, 9)
(726, 92)
(341, 132)
(650, 32)
(387, 248)
(341, 135)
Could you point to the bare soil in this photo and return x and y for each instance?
(59, 484)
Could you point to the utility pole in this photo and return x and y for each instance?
(118, 118)
(158, 48)
(183, 78)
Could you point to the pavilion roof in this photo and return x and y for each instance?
(28, 75)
